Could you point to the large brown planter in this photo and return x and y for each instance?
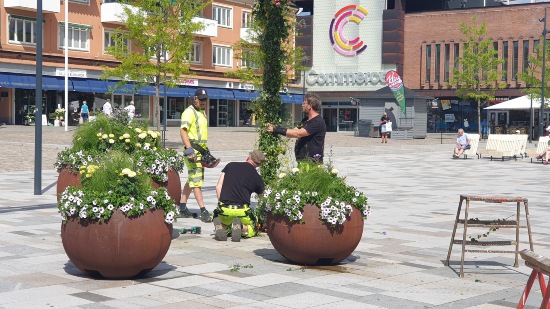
(173, 185)
(67, 178)
(313, 242)
(120, 248)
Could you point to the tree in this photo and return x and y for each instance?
(477, 76)
(161, 34)
(532, 75)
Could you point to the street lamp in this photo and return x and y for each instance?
(305, 62)
(541, 113)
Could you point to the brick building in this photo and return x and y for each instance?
(90, 29)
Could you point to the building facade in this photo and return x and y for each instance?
(431, 56)
(91, 23)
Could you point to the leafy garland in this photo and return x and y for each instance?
(272, 17)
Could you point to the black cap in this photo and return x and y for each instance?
(201, 94)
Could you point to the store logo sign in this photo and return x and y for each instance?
(342, 45)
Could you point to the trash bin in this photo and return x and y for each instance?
(363, 127)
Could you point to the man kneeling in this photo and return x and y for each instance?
(235, 185)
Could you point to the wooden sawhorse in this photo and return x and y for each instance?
(489, 224)
(541, 267)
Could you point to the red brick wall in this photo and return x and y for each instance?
(506, 23)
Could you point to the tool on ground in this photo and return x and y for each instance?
(191, 230)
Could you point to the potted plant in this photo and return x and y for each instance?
(115, 223)
(93, 140)
(312, 216)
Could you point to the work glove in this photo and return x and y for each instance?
(190, 154)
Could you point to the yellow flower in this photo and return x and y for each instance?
(142, 135)
(127, 140)
(126, 135)
(121, 137)
(147, 144)
(98, 134)
(111, 135)
(111, 141)
(334, 171)
(154, 134)
(82, 172)
(282, 175)
(132, 174)
(88, 175)
(295, 170)
(138, 130)
(138, 145)
(126, 171)
(104, 136)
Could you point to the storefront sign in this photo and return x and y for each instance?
(188, 82)
(72, 73)
(343, 45)
(352, 78)
(449, 118)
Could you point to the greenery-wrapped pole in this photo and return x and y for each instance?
(274, 20)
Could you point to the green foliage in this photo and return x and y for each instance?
(312, 183)
(115, 185)
(94, 139)
(532, 76)
(477, 77)
(273, 23)
(161, 35)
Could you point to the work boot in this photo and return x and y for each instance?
(236, 230)
(205, 216)
(219, 230)
(185, 213)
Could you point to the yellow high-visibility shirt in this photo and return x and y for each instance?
(196, 124)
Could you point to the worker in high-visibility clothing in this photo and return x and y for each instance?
(194, 131)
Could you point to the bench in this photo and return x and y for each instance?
(505, 146)
(541, 147)
(474, 142)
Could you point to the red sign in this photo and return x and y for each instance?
(394, 80)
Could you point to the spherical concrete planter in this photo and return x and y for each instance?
(314, 242)
(121, 248)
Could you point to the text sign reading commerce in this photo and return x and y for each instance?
(340, 43)
(357, 79)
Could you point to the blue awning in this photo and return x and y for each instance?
(292, 98)
(22, 81)
(53, 83)
(80, 85)
(219, 93)
(244, 95)
(96, 85)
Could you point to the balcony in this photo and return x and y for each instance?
(111, 12)
(47, 6)
(248, 35)
(210, 27)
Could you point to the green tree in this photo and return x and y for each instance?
(532, 75)
(272, 54)
(161, 34)
(477, 76)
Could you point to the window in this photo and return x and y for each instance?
(535, 45)
(515, 56)
(247, 61)
(222, 15)
(88, 1)
(456, 54)
(78, 37)
(246, 20)
(195, 55)
(163, 55)
(109, 39)
(221, 56)
(505, 58)
(22, 30)
(437, 62)
(525, 55)
(447, 61)
(428, 62)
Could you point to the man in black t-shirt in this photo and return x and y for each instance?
(235, 185)
(311, 135)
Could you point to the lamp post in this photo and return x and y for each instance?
(541, 113)
(305, 62)
(38, 101)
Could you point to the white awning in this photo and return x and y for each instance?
(523, 102)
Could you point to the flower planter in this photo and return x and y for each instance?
(313, 242)
(120, 248)
(173, 185)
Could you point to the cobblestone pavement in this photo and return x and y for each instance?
(413, 187)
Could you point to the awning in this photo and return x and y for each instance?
(53, 83)
(96, 85)
(244, 95)
(176, 92)
(292, 98)
(22, 81)
(521, 103)
(80, 85)
(219, 93)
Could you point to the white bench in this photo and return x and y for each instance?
(474, 142)
(541, 147)
(505, 146)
